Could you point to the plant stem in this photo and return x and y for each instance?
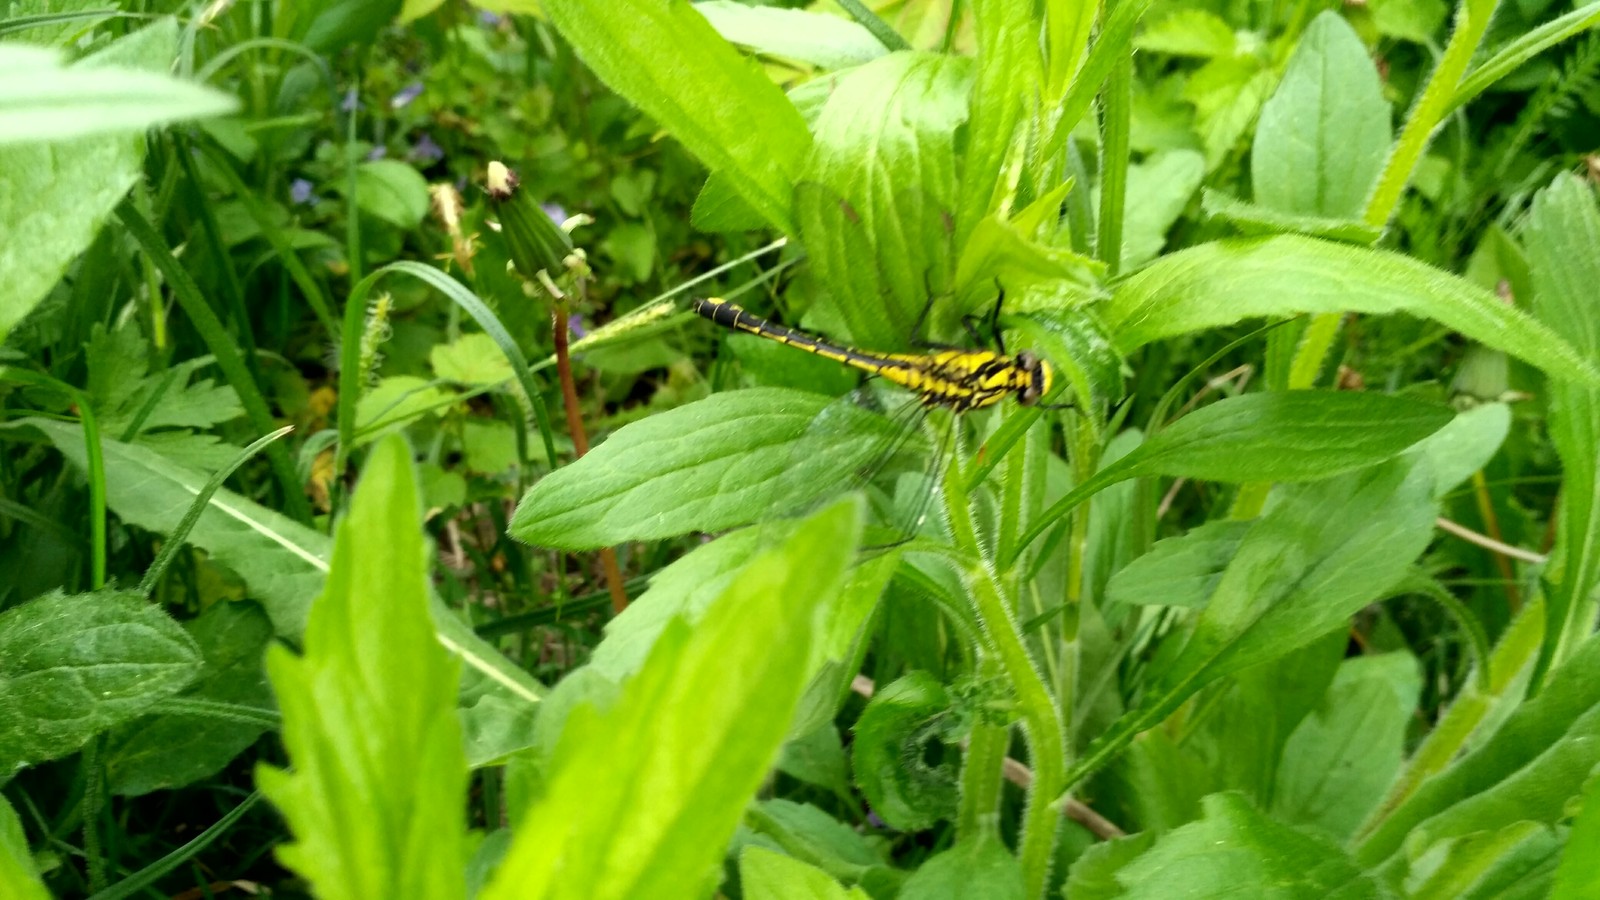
(1040, 720)
(580, 442)
(982, 770)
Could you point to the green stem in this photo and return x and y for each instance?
(982, 771)
(1040, 720)
(1115, 130)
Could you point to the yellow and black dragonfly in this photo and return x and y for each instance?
(959, 380)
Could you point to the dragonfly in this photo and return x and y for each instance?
(955, 379)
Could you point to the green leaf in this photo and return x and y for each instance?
(54, 197)
(876, 201)
(1236, 851)
(19, 877)
(1227, 93)
(1563, 240)
(74, 666)
(1010, 70)
(173, 749)
(666, 59)
(1225, 282)
(1531, 768)
(1338, 763)
(724, 461)
(396, 400)
(979, 868)
(1323, 136)
(393, 191)
(1093, 875)
(819, 39)
(806, 832)
(1514, 862)
(1282, 436)
(1179, 571)
(818, 758)
(1417, 21)
(765, 875)
(1188, 32)
(282, 561)
(326, 27)
(1465, 445)
(1159, 189)
(696, 742)
(1252, 220)
(1578, 876)
(41, 100)
(472, 359)
(903, 764)
(379, 784)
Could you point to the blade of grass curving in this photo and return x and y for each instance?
(228, 359)
(349, 350)
(1510, 57)
(1112, 45)
(148, 875)
(97, 466)
(880, 29)
(216, 63)
(176, 539)
(232, 290)
(273, 232)
(45, 20)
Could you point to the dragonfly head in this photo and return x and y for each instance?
(1039, 378)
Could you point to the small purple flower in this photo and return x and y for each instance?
(425, 150)
(575, 325)
(378, 152)
(555, 212)
(406, 95)
(300, 191)
(488, 19)
(351, 101)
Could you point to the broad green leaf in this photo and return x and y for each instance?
(902, 762)
(74, 666)
(1075, 343)
(375, 800)
(172, 749)
(820, 39)
(805, 831)
(1338, 763)
(818, 758)
(1228, 281)
(1320, 553)
(393, 191)
(1252, 220)
(283, 562)
(724, 461)
(1417, 21)
(876, 201)
(1159, 190)
(1093, 875)
(1324, 135)
(1513, 862)
(766, 875)
(54, 197)
(980, 868)
(1010, 70)
(1465, 445)
(19, 877)
(697, 743)
(41, 100)
(329, 26)
(1188, 32)
(666, 59)
(1179, 571)
(472, 359)
(394, 401)
(1236, 851)
(1531, 768)
(1281, 436)
(1578, 876)
(1563, 240)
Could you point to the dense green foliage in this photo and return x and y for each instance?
(1287, 589)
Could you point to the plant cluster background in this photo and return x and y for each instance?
(378, 518)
